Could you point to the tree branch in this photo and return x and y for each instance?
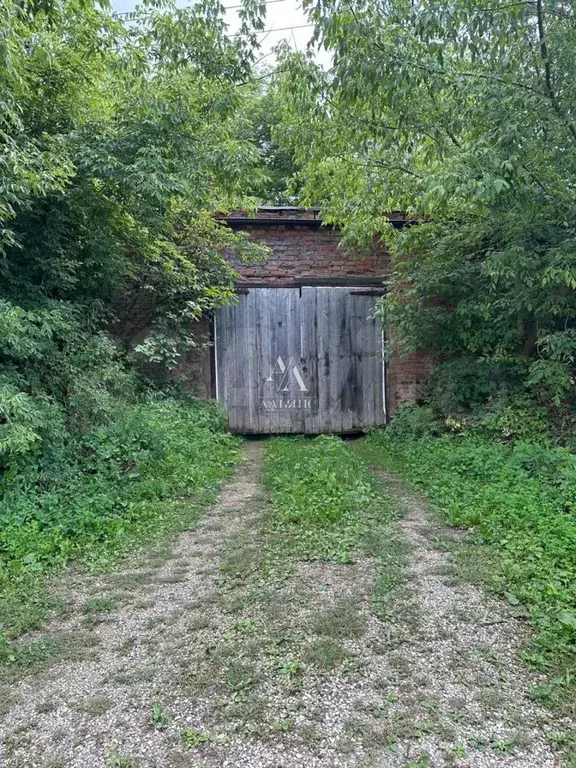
(377, 164)
(548, 77)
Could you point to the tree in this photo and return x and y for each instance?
(118, 140)
(460, 114)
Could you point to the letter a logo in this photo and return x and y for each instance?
(286, 372)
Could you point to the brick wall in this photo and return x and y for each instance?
(406, 378)
(301, 252)
(195, 368)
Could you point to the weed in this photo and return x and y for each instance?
(503, 746)
(48, 705)
(242, 706)
(290, 667)
(326, 653)
(194, 738)
(96, 706)
(246, 625)
(199, 623)
(126, 646)
(284, 725)
(320, 491)
(458, 750)
(341, 621)
(240, 676)
(518, 502)
(116, 760)
(100, 605)
(423, 761)
(48, 649)
(478, 742)
(158, 715)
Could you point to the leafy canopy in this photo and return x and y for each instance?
(461, 114)
(118, 141)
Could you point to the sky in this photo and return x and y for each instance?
(285, 20)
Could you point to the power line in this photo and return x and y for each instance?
(226, 8)
(258, 31)
(266, 32)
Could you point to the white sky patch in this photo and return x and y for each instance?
(285, 20)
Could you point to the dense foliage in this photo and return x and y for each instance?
(101, 491)
(460, 114)
(117, 142)
(517, 492)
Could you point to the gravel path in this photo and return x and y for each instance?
(461, 659)
(221, 657)
(96, 712)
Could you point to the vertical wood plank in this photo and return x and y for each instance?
(326, 333)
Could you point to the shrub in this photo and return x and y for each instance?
(410, 423)
(461, 383)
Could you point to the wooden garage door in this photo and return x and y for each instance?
(300, 360)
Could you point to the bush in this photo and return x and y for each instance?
(410, 422)
(504, 420)
(461, 383)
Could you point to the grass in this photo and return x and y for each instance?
(96, 706)
(100, 605)
(522, 540)
(44, 650)
(323, 506)
(325, 502)
(340, 621)
(326, 653)
(133, 483)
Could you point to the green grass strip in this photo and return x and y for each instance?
(324, 499)
(532, 537)
(141, 478)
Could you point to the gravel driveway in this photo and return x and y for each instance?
(205, 660)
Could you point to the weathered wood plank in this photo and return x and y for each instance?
(310, 351)
(299, 360)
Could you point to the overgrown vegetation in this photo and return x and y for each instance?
(100, 491)
(460, 115)
(324, 499)
(516, 495)
(119, 140)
